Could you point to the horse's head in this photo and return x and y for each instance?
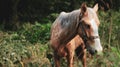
(88, 28)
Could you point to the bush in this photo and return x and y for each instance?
(36, 33)
(27, 47)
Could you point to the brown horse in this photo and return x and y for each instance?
(75, 45)
(83, 22)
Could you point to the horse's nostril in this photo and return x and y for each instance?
(92, 51)
(95, 51)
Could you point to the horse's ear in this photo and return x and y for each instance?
(83, 9)
(95, 8)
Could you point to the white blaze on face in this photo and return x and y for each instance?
(96, 45)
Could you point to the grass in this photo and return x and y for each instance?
(29, 46)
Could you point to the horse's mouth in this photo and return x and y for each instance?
(92, 51)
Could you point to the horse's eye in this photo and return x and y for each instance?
(88, 26)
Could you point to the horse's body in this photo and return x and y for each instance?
(83, 22)
(63, 27)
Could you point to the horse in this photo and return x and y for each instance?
(83, 22)
(75, 46)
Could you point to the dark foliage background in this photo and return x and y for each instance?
(15, 12)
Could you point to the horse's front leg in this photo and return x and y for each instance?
(83, 58)
(70, 55)
(57, 59)
(81, 53)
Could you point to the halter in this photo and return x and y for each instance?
(86, 38)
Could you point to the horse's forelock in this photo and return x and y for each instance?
(93, 15)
